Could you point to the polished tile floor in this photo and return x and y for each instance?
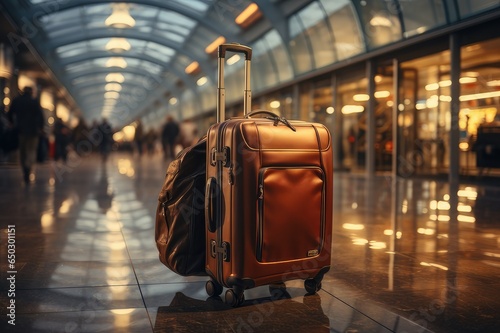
(85, 258)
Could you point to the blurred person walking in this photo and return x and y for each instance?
(62, 136)
(139, 137)
(169, 135)
(106, 143)
(26, 116)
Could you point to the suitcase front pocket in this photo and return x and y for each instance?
(290, 213)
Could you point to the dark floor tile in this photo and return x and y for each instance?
(129, 320)
(38, 275)
(73, 299)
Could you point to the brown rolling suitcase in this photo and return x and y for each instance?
(268, 198)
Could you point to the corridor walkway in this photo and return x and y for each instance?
(86, 261)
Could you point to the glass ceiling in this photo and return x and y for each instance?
(82, 48)
(118, 59)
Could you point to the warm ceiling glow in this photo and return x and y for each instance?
(248, 15)
(233, 59)
(201, 81)
(215, 44)
(113, 87)
(118, 45)
(172, 101)
(115, 77)
(111, 94)
(192, 67)
(120, 18)
(116, 62)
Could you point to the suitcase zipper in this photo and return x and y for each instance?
(220, 168)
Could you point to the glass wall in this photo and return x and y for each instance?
(347, 37)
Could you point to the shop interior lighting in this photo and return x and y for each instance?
(348, 109)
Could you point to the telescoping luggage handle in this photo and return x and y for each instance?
(221, 90)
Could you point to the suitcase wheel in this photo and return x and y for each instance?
(213, 288)
(278, 291)
(312, 286)
(233, 298)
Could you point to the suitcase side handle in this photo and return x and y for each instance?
(210, 204)
(235, 47)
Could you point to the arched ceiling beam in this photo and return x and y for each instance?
(190, 82)
(132, 34)
(276, 17)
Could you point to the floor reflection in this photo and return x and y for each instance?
(408, 256)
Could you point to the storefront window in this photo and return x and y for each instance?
(425, 122)
(351, 102)
(479, 117)
(384, 102)
(426, 150)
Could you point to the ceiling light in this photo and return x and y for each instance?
(115, 77)
(116, 62)
(172, 101)
(111, 94)
(215, 44)
(234, 59)
(120, 18)
(118, 45)
(248, 16)
(113, 87)
(201, 81)
(192, 67)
